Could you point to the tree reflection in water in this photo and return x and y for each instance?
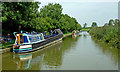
(54, 56)
(106, 49)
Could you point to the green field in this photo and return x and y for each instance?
(85, 29)
(68, 33)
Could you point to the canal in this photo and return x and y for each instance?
(81, 53)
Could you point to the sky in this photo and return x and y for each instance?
(88, 11)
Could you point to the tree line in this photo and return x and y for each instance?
(109, 33)
(25, 16)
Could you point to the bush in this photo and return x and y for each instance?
(108, 34)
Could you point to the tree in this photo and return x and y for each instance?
(26, 15)
(58, 20)
(85, 25)
(106, 24)
(51, 10)
(94, 24)
(18, 13)
(78, 27)
(116, 21)
(111, 22)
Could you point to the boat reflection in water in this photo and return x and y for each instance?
(23, 61)
(34, 60)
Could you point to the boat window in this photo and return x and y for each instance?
(40, 37)
(25, 39)
(34, 38)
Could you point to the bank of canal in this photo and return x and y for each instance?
(81, 53)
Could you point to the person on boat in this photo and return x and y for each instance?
(55, 33)
(8, 38)
(45, 34)
(51, 32)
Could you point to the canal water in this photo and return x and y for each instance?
(80, 53)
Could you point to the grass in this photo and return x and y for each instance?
(85, 29)
(0, 46)
(68, 33)
(7, 45)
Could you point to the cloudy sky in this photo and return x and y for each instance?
(99, 11)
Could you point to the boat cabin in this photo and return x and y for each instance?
(27, 38)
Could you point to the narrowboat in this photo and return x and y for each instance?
(75, 33)
(27, 42)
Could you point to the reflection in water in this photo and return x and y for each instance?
(22, 61)
(53, 56)
(85, 35)
(106, 49)
(74, 36)
(110, 51)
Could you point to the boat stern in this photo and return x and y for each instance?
(21, 48)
